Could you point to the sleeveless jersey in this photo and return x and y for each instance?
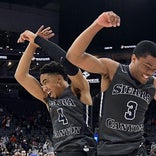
(124, 105)
(68, 116)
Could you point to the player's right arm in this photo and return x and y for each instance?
(22, 75)
(77, 55)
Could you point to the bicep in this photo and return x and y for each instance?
(79, 82)
(88, 62)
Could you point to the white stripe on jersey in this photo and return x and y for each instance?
(100, 114)
(87, 115)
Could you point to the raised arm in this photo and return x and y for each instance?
(79, 83)
(53, 50)
(76, 53)
(22, 75)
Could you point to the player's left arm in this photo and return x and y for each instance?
(79, 84)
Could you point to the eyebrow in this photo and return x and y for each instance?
(148, 64)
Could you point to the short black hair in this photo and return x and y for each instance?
(53, 68)
(145, 48)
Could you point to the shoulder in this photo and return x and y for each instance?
(154, 81)
(110, 66)
(46, 101)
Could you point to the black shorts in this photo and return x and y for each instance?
(138, 152)
(80, 153)
(71, 153)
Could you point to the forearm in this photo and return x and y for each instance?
(106, 19)
(53, 50)
(82, 42)
(25, 62)
(58, 54)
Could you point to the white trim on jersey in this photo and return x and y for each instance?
(100, 113)
(87, 115)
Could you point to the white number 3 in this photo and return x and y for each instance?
(131, 111)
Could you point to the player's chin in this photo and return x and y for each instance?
(143, 81)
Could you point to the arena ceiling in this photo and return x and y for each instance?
(137, 20)
(33, 3)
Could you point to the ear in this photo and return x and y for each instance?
(133, 58)
(59, 79)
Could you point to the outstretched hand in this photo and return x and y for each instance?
(45, 32)
(108, 19)
(27, 35)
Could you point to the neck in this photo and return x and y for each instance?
(131, 69)
(64, 85)
(131, 73)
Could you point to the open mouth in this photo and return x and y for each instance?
(145, 76)
(49, 93)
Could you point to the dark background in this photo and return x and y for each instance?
(138, 20)
(68, 19)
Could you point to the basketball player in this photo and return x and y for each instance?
(127, 90)
(66, 103)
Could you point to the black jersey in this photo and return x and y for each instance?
(69, 120)
(124, 105)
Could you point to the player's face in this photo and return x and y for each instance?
(143, 68)
(50, 84)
